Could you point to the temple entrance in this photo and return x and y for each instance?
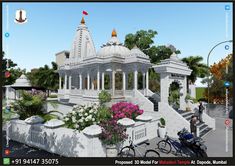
(173, 81)
(174, 95)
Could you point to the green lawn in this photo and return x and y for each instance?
(199, 92)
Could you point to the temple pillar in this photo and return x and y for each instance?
(113, 82)
(80, 81)
(70, 82)
(102, 81)
(123, 81)
(147, 80)
(59, 82)
(135, 79)
(65, 81)
(164, 88)
(92, 83)
(88, 81)
(98, 80)
(144, 80)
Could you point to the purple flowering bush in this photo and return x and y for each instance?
(112, 133)
(125, 110)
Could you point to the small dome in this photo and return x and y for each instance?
(113, 46)
(174, 56)
(22, 81)
(136, 51)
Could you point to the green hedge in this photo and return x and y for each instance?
(200, 92)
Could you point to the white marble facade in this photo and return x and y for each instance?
(82, 74)
(82, 70)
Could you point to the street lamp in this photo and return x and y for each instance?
(208, 64)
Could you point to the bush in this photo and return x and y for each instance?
(162, 122)
(112, 133)
(125, 110)
(82, 117)
(104, 113)
(174, 98)
(104, 97)
(31, 103)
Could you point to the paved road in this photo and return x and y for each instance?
(215, 140)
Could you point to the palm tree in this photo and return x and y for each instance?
(198, 68)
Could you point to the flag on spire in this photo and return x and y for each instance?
(84, 13)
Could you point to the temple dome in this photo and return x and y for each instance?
(113, 47)
(137, 52)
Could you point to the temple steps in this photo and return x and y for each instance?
(204, 129)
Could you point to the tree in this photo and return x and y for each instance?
(11, 65)
(198, 68)
(45, 77)
(144, 40)
(219, 76)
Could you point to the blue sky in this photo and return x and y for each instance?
(193, 28)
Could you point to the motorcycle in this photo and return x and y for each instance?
(196, 144)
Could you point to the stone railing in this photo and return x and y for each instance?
(143, 102)
(149, 92)
(129, 93)
(174, 121)
(70, 143)
(118, 92)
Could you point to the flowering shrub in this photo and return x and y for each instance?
(82, 116)
(112, 133)
(125, 110)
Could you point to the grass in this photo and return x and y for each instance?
(48, 117)
(199, 92)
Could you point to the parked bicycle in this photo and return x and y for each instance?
(131, 149)
(166, 145)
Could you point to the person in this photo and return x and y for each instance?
(200, 111)
(193, 126)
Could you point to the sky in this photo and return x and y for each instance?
(193, 28)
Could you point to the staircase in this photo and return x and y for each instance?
(203, 128)
(155, 103)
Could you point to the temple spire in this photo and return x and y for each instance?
(114, 33)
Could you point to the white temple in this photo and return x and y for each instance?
(82, 70)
